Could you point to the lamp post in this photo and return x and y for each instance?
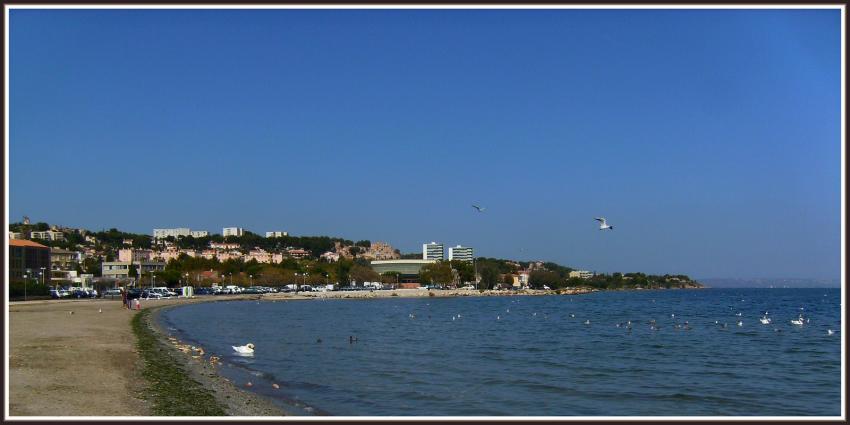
(250, 276)
(42, 275)
(26, 276)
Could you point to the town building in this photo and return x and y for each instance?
(461, 253)
(174, 233)
(27, 258)
(298, 253)
(381, 251)
(584, 274)
(329, 256)
(48, 235)
(276, 234)
(224, 245)
(408, 270)
(63, 259)
(199, 233)
(432, 251)
(121, 269)
(232, 231)
(134, 255)
(16, 235)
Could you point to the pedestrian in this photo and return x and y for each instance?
(124, 297)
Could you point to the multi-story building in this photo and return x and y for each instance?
(134, 255)
(276, 234)
(27, 258)
(232, 231)
(49, 235)
(223, 245)
(16, 235)
(121, 269)
(199, 233)
(63, 259)
(432, 251)
(175, 233)
(461, 253)
(298, 253)
(584, 274)
(330, 257)
(381, 251)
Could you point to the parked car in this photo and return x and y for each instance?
(134, 293)
(112, 292)
(151, 294)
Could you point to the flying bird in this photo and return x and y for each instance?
(479, 209)
(603, 225)
(244, 349)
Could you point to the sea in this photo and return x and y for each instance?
(597, 354)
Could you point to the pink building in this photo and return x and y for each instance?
(134, 255)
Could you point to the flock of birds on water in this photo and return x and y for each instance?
(798, 322)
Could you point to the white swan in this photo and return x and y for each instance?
(244, 349)
(798, 322)
(765, 320)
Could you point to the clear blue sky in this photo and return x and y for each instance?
(709, 139)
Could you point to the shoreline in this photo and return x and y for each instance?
(99, 341)
(197, 366)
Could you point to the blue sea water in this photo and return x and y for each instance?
(528, 356)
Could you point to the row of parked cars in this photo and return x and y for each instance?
(73, 293)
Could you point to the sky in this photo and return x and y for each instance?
(710, 139)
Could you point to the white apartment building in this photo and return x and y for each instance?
(276, 234)
(432, 251)
(16, 235)
(232, 231)
(175, 233)
(460, 253)
(199, 233)
(584, 274)
(48, 235)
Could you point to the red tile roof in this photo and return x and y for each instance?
(24, 242)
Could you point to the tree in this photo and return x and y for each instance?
(465, 270)
(439, 272)
(133, 272)
(364, 243)
(489, 275)
(539, 278)
(362, 274)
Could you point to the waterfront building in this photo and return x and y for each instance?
(27, 258)
(408, 270)
(584, 274)
(121, 269)
(199, 233)
(276, 234)
(232, 231)
(432, 251)
(460, 253)
(174, 233)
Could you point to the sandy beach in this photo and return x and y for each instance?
(87, 364)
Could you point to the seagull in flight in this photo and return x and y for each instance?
(603, 225)
(479, 209)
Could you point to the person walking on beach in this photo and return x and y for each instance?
(124, 298)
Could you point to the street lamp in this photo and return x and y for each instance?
(26, 276)
(42, 275)
(252, 279)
